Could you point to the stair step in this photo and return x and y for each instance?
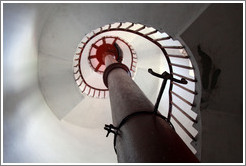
(125, 25)
(169, 42)
(147, 30)
(115, 25)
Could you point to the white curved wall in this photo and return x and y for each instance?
(31, 132)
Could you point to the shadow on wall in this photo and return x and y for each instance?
(210, 74)
(17, 107)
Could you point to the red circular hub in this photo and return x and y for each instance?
(100, 49)
(89, 62)
(104, 49)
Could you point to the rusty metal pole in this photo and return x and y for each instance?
(143, 138)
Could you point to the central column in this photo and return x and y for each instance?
(144, 138)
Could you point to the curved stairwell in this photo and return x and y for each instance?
(178, 100)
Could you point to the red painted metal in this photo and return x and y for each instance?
(96, 60)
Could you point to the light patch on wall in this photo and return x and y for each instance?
(191, 72)
(19, 48)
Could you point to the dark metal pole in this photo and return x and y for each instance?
(143, 138)
(165, 76)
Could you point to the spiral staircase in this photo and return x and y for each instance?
(145, 47)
